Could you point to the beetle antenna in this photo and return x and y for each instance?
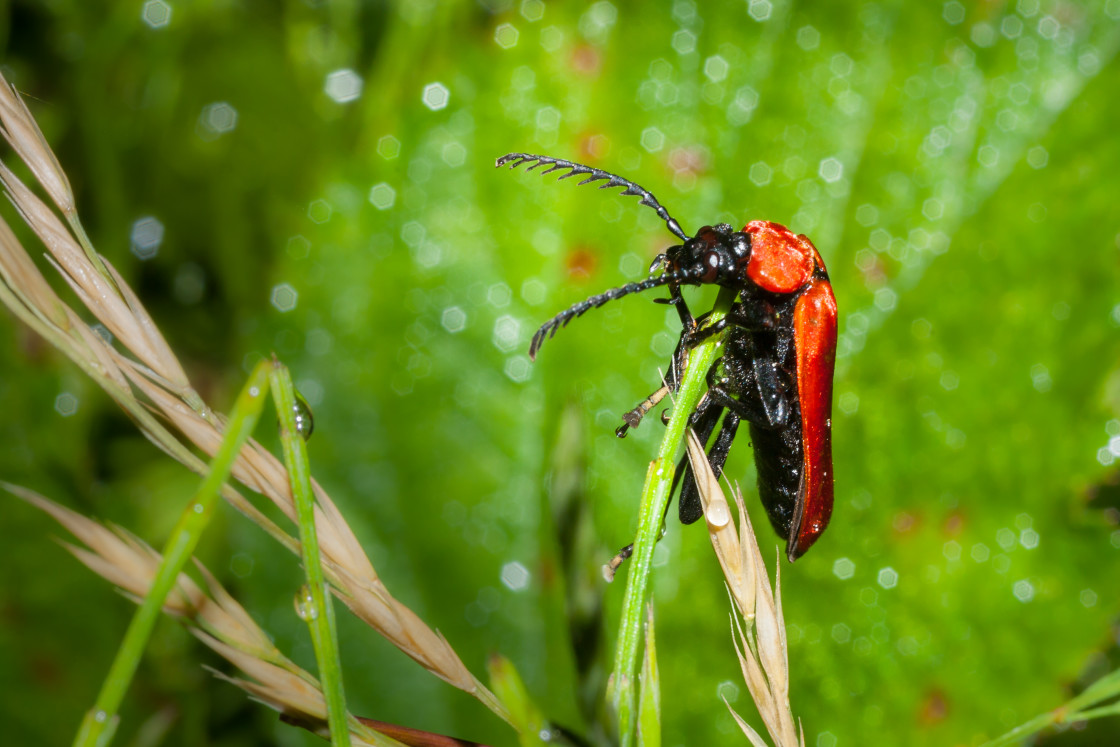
(516, 159)
(549, 328)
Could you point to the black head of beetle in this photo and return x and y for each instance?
(715, 255)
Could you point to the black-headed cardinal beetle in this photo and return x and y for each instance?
(777, 364)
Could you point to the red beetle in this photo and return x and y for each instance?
(777, 364)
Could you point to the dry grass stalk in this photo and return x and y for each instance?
(759, 627)
(212, 615)
(156, 383)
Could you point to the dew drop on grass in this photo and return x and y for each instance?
(717, 514)
(305, 419)
(305, 604)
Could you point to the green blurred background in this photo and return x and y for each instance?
(316, 178)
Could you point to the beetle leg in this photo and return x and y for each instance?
(703, 421)
(751, 386)
(676, 299)
(749, 314)
(634, 417)
(770, 414)
(672, 379)
(690, 507)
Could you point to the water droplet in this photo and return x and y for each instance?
(305, 604)
(305, 419)
(717, 514)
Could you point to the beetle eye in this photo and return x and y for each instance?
(711, 264)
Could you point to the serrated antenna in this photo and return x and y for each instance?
(549, 328)
(593, 175)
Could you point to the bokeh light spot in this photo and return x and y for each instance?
(886, 299)
(808, 38)
(684, 41)
(728, 690)
(517, 368)
(1040, 378)
(146, 236)
(388, 147)
(532, 10)
(1023, 590)
(284, 297)
(843, 568)
(888, 577)
(533, 292)
(507, 333)
(1048, 27)
(760, 173)
(499, 295)
(454, 154)
(382, 196)
(216, 120)
(548, 119)
(552, 38)
(831, 170)
(319, 211)
(66, 404)
(760, 10)
(505, 35)
(952, 12)
(716, 68)
(653, 139)
(155, 14)
(453, 319)
(343, 86)
(1037, 157)
(932, 209)
(436, 96)
(515, 576)
(867, 215)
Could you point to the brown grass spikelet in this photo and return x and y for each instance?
(758, 631)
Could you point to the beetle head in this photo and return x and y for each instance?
(716, 254)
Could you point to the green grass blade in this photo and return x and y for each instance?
(524, 714)
(100, 722)
(315, 604)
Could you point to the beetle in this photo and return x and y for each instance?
(776, 368)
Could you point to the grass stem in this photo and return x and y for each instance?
(314, 603)
(655, 496)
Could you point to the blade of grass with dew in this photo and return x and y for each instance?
(1079, 708)
(314, 603)
(100, 722)
(655, 496)
(649, 703)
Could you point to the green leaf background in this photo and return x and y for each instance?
(955, 163)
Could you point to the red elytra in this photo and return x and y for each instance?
(814, 326)
(784, 262)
